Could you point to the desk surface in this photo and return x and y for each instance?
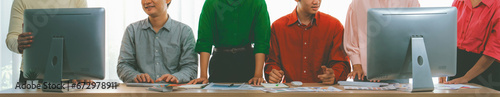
(124, 91)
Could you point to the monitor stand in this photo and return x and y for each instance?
(421, 72)
(53, 69)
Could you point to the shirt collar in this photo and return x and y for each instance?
(166, 26)
(488, 3)
(233, 3)
(294, 19)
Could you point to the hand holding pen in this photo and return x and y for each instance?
(276, 76)
(328, 76)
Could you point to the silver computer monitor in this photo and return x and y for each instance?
(395, 34)
(71, 36)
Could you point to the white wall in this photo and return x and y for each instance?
(9, 62)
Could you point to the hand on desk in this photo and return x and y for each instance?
(328, 76)
(143, 78)
(168, 78)
(442, 79)
(357, 70)
(276, 76)
(461, 80)
(256, 80)
(199, 80)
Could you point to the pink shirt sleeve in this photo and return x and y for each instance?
(355, 32)
(492, 47)
(351, 45)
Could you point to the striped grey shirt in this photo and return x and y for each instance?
(170, 51)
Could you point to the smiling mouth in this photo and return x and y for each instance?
(149, 7)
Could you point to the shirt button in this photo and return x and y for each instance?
(156, 50)
(305, 57)
(157, 76)
(305, 43)
(157, 37)
(304, 71)
(157, 63)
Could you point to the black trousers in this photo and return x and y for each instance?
(489, 78)
(232, 67)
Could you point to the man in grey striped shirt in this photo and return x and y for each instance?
(157, 49)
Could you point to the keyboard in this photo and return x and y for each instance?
(145, 84)
(364, 84)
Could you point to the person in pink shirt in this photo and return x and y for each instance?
(355, 31)
(478, 43)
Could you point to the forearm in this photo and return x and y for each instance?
(482, 64)
(204, 58)
(259, 64)
(188, 70)
(341, 70)
(186, 73)
(273, 60)
(126, 73)
(11, 42)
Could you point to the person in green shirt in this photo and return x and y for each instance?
(232, 26)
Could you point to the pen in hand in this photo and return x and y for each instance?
(282, 78)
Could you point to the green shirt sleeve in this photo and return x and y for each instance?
(262, 29)
(205, 29)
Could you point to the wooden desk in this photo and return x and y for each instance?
(124, 91)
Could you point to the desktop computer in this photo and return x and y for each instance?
(68, 43)
(417, 43)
